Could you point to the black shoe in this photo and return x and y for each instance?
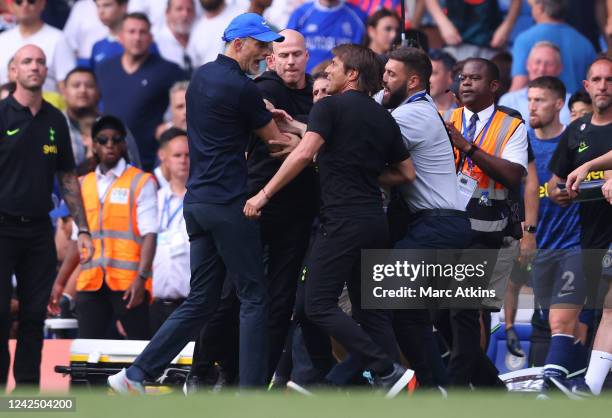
(197, 383)
(396, 381)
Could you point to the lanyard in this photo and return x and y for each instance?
(416, 97)
(169, 216)
(483, 134)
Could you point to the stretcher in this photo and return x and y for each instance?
(92, 361)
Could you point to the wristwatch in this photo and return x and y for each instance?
(144, 275)
(84, 231)
(530, 228)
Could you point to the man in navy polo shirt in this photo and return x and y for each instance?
(135, 85)
(223, 108)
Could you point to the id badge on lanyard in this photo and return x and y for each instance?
(466, 186)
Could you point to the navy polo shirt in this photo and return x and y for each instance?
(223, 107)
(139, 99)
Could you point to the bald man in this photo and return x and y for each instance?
(544, 60)
(35, 147)
(286, 220)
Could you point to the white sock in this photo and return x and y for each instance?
(599, 367)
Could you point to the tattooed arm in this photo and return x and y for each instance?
(71, 192)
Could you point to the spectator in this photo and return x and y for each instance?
(279, 12)
(319, 87)
(205, 42)
(325, 24)
(544, 60)
(82, 97)
(7, 20)
(371, 7)
(178, 108)
(579, 104)
(259, 6)
(383, 28)
(32, 30)
(83, 29)
(7, 89)
(173, 37)
(171, 263)
(441, 81)
(473, 28)
(135, 85)
(576, 50)
(156, 10)
(111, 14)
(114, 284)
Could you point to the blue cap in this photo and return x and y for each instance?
(250, 25)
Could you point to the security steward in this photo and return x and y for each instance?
(492, 156)
(121, 206)
(34, 147)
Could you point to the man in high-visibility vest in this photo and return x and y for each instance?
(492, 156)
(121, 207)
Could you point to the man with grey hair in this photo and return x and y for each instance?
(577, 52)
(544, 60)
(173, 36)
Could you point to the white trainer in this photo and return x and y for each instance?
(120, 384)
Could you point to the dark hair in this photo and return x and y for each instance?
(556, 9)
(492, 70)
(579, 96)
(169, 4)
(138, 16)
(364, 61)
(10, 87)
(373, 20)
(81, 70)
(169, 134)
(549, 83)
(447, 59)
(414, 60)
(598, 59)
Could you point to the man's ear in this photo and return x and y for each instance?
(559, 103)
(494, 85)
(237, 43)
(270, 61)
(353, 75)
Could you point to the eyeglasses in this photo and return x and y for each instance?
(103, 140)
(20, 2)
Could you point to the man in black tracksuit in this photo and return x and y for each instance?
(285, 223)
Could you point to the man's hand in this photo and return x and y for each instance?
(501, 35)
(56, 295)
(449, 33)
(513, 343)
(135, 293)
(279, 115)
(528, 248)
(85, 247)
(253, 206)
(606, 189)
(293, 127)
(572, 184)
(284, 147)
(560, 197)
(458, 140)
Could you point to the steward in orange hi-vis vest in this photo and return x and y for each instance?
(492, 139)
(114, 230)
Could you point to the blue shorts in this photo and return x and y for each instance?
(606, 264)
(558, 278)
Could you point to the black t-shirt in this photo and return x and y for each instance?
(582, 142)
(361, 138)
(32, 150)
(298, 198)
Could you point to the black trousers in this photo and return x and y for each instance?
(284, 245)
(160, 310)
(97, 311)
(335, 259)
(28, 251)
(461, 329)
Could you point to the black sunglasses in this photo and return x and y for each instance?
(102, 140)
(20, 2)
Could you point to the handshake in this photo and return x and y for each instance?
(291, 132)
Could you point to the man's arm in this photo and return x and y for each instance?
(399, 173)
(278, 143)
(502, 171)
(449, 32)
(502, 33)
(531, 197)
(301, 157)
(71, 193)
(577, 176)
(560, 197)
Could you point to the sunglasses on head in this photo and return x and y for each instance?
(103, 140)
(20, 2)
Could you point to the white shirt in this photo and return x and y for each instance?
(156, 10)
(206, 42)
(516, 148)
(84, 28)
(169, 48)
(435, 186)
(518, 101)
(159, 175)
(171, 265)
(146, 204)
(279, 12)
(60, 58)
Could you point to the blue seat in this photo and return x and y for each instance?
(498, 353)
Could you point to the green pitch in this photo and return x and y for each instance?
(333, 405)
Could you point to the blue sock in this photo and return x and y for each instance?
(581, 357)
(135, 373)
(560, 355)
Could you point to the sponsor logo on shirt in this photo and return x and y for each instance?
(311, 28)
(10, 132)
(51, 134)
(325, 42)
(49, 149)
(582, 147)
(347, 30)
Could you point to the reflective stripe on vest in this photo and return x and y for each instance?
(114, 231)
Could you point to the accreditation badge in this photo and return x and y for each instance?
(466, 186)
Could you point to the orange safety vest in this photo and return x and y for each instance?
(499, 132)
(114, 232)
